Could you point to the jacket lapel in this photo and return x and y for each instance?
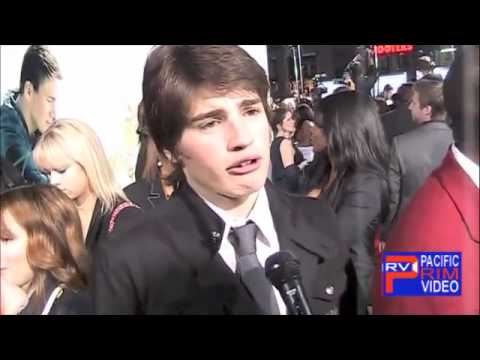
(217, 279)
(213, 276)
(292, 229)
(462, 192)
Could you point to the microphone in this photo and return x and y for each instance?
(283, 271)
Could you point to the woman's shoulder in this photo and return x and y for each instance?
(140, 186)
(73, 302)
(277, 141)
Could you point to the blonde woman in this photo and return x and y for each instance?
(72, 156)
(43, 263)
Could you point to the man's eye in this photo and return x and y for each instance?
(60, 171)
(253, 111)
(209, 124)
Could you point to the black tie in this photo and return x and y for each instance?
(251, 271)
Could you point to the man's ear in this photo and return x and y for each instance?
(428, 110)
(28, 89)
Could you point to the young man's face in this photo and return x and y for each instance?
(225, 149)
(43, 104)
(419, 114)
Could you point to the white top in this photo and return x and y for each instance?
(307, 152)
(467, 165)
(267, 240)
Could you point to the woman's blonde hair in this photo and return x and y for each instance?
(78, 141)
(55, 243)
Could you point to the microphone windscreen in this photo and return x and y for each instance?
(281, 268)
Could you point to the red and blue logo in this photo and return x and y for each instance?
(422, 273)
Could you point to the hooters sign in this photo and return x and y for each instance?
(392, 49)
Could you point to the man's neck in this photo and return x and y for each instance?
(26, 115)
(239, 207)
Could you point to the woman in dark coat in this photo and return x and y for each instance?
(354, 182)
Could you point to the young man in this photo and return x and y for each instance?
(206, 109)
(444, 214)
(29, 111)
(415, 154)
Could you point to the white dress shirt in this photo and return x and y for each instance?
(267, 240)
(467, 165)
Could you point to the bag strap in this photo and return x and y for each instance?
(116, 212)
(56, 293)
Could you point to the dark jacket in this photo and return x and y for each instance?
(168, 263)
(361, 205)
(9, 175)
(414, 156)
(146, 194)
(286, 178)
(313, 174)
(99, 225)
(397, 122)
(69, 302)
(15, 142)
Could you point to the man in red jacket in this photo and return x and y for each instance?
(444, 214)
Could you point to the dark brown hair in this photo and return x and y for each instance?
(430, 93)
(172, 75)
(38, 65)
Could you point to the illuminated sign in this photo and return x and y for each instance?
(392, 49)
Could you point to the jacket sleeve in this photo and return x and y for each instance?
(18, 151)
(358, 209)
(113, 287)
(291, 179)
(394, 188)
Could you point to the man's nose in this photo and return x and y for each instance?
(239, 135)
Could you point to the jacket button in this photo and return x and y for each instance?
(330, 290)
(215, 235)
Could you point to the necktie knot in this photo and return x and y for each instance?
(244, 239)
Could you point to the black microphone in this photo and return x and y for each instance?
(283, 270)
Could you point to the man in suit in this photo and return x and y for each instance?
(415, 154)
(443, 216)
(399, 120)
(206, 109)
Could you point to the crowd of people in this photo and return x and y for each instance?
(225, 181)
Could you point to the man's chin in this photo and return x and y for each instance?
(244, 190)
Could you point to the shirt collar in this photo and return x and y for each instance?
(260, 215)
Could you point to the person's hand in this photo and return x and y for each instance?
(350, 84)
(12, 298)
